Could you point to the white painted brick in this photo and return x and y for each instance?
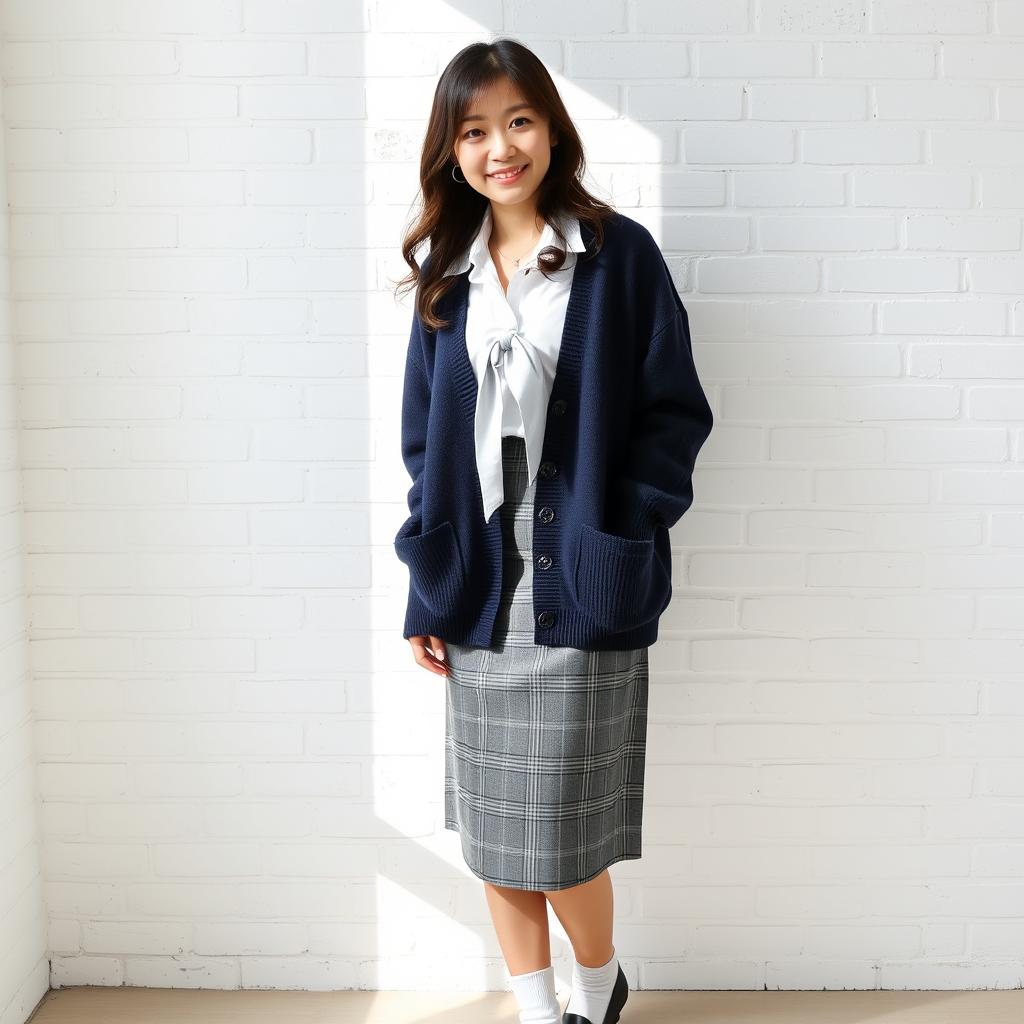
(769, 274)
(49, 190)
(786, 318)
(996, 403)
(182, 188)
(823, 233)
(628, 59)
(121, 57)
(622, 141)
(33, 232)
(40, 318)
(690, 17)
(808, 102)
(793, 187)
(233, 401)
(118, 231)
(302, 101)
(826, 444)
(906, 275)
(810, 17)
(306, 188)
(27, 59)
(989, 60)
(874, 60)
(868, 145)
(943, 17)
(603, 17)
(962, 232)
(242, 146)
(336, 145)
(996, 273)
(187, 17)
(56, 102)
(375, 56)
(127, 145)
(249, 316)
(702, 101)
(248, 229)
(934, 101)
(999, 189)
(61, 17)
(1010, 100)
(205, 860)
(229, 58)
(343, 231)
(952, 146)
(300, 273)
(177, 102)
(754, 59)
(923, 189)
(34, 147)
(1009, 17)
(313, 16)
(979, 359)
(155, 274)
(707, 232)
(912, 316)
(130, 316)
(757, 144)
(182, 442)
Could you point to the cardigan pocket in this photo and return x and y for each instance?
(436, 569)
(614, 579)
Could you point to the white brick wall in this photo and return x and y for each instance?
(24, 968)
(240, 767)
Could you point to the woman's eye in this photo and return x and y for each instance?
(521, 118)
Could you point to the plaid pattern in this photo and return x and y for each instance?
(544, 746)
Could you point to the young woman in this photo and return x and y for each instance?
(551, 419)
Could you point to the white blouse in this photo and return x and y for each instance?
(513, 342)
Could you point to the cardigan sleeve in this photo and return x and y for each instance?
(671, 421)
(415, 410)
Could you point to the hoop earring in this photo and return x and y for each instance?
(462, 180)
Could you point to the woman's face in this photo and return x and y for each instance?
(494, 137)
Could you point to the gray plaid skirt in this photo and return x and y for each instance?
(544, 746)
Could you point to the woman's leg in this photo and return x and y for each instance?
(521, 921)
(586, 912)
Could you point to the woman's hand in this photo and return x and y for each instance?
(431, 653)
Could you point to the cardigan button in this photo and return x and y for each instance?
(546, 514)
(546, 619)
(558, 406)
(548, 470)
(544, 561)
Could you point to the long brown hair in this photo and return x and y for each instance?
(452, 211)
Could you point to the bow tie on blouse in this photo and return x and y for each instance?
(511, 353)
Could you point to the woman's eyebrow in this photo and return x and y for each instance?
(510, 110)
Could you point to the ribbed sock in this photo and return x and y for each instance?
(592, 989)
(538, 1001)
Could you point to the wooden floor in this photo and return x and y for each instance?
(93, 1005)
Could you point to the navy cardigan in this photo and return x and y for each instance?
(625, 421)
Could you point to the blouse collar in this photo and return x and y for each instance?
(477, 252)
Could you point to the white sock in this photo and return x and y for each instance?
(592, 989)
(538, 1002)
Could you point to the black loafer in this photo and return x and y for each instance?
(618, 1000)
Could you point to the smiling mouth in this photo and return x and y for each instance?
(510, 173)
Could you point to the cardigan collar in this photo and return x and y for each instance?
(477, 251)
